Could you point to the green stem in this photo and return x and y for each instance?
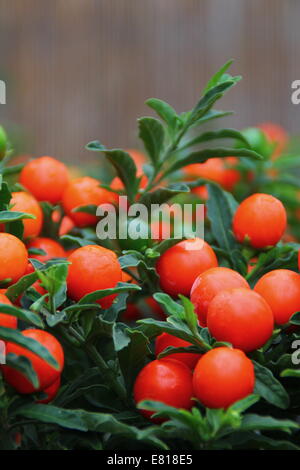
(107, 373)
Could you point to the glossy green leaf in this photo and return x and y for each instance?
(23, 365)
(152, 134)
(269, 388)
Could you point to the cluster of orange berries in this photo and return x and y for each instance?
(222, 298)
(228, 307)
(91, 267)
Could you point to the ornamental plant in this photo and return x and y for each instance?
(124, 342)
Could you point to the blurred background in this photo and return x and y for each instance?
(80, 70)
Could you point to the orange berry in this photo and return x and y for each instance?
(51, 391)
(260, 220)
(52, 249)
(25, 202)
(46, 178)
(219, 170)
(222, 377)
(82, 192)
(47, 375)
(281, 290)
(93, 268)
(165, 340)
(241, 317)
(209, 283)
(179, 266)
(66, 226)
(14, 258)
(167, 381)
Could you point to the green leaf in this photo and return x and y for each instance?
(201, 156)
(212, 114)
(36, 251)
(217, 77)
(23, 364)
(13, 170)
(132, 259)
(5, 195)
(220, 207)
(99, 294)
(172, 350)
(25, 315)
(132, 356)
(152, 134)
(161, 195)
(50, 228)
(54, 281)
(11, 216)
(290, 373)
(15, 290)
(15, 228)
(295, 319)
(165, 111)
(269, 388)
(210, 97)
(213, 135)
(123, 164)
(176, 325)
(3, 143)
(166, 244)
(245, 403)
(88, 209)
(190, 315)
(170, 306)
(14, 336)
(81, 420)
(77, 241)
(253, 422)
(284, 256)
(118, 306)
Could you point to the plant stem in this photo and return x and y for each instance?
(106, 371)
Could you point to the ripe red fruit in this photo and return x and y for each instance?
(165, 340)
(51, 392)
(281, 290)
(93, 268)
(7, 321)
(25, 202)
(46, 178)
(167, 381)
(220, 170)
(52, 249)
(66, 226)
(208, 284)
(14, 258)
(47, 375)
(82, 192)
(241, 317)
(179, 266)
(260, 220)
(222, 377)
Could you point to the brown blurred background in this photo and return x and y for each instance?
(78, 70)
